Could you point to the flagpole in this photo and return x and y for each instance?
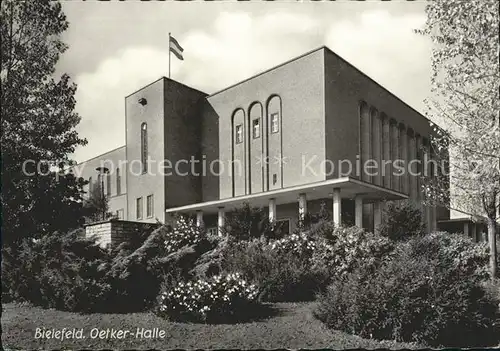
(169, 59)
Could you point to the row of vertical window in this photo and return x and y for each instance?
(384, 138)
(239, 130)
(149, 207)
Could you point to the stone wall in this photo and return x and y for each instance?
(101, 231)
(113, 232)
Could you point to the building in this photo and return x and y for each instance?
(283, 139)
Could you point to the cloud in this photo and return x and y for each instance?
(234, 48)
(237, 45)
(386, 48)
(101, 96)
(240, 46)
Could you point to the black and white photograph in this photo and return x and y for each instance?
(206, 175)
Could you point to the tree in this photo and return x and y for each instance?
(246, 223)
(403, 220)
(465, 76)
(96, 205)
(38, 122)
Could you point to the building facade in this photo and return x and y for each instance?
(289, 139)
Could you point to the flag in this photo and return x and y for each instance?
(176, 48)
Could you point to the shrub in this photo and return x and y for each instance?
(429, 292)
(248, 223)
(292, 279)
(185, 232)
(341, 249)
(63, 271)
(69, 272)
(298, 266)
(299, 244)
(166, 256)
(218, 299)
(134, 241)
(322, 229)
(281, 274)
(310, 219)
(402, 220)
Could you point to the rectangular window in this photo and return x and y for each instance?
(212, 231)
(256, 128)
(119, 213)
(275, 178)
(239, 133)
(149, 206)
(138, 208)
(275, 123)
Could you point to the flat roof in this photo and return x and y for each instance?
(326, 48)
(99, 156)
(267, 71)
(165, 78)
(316, 190)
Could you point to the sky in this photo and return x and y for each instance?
(115, 48)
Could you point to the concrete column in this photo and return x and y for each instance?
(220, 220)
(302, 206)
(199, 219)
(466, 229)
(337, 207)
(272, 210)
(377, 216)
(358, 211)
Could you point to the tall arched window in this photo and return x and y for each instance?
(144, 147)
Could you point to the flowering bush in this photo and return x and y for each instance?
(280, 274)
(345, 248)
(298, 266)
(299, 244)
(184, 232)
(218, 299)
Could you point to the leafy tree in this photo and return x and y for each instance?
(246, 223)
(465, 65)
(313, 218)
(38, 122)
(402, 220)
(96, 205)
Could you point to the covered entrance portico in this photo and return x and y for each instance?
(334, 189)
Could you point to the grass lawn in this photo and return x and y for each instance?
(292, 326)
